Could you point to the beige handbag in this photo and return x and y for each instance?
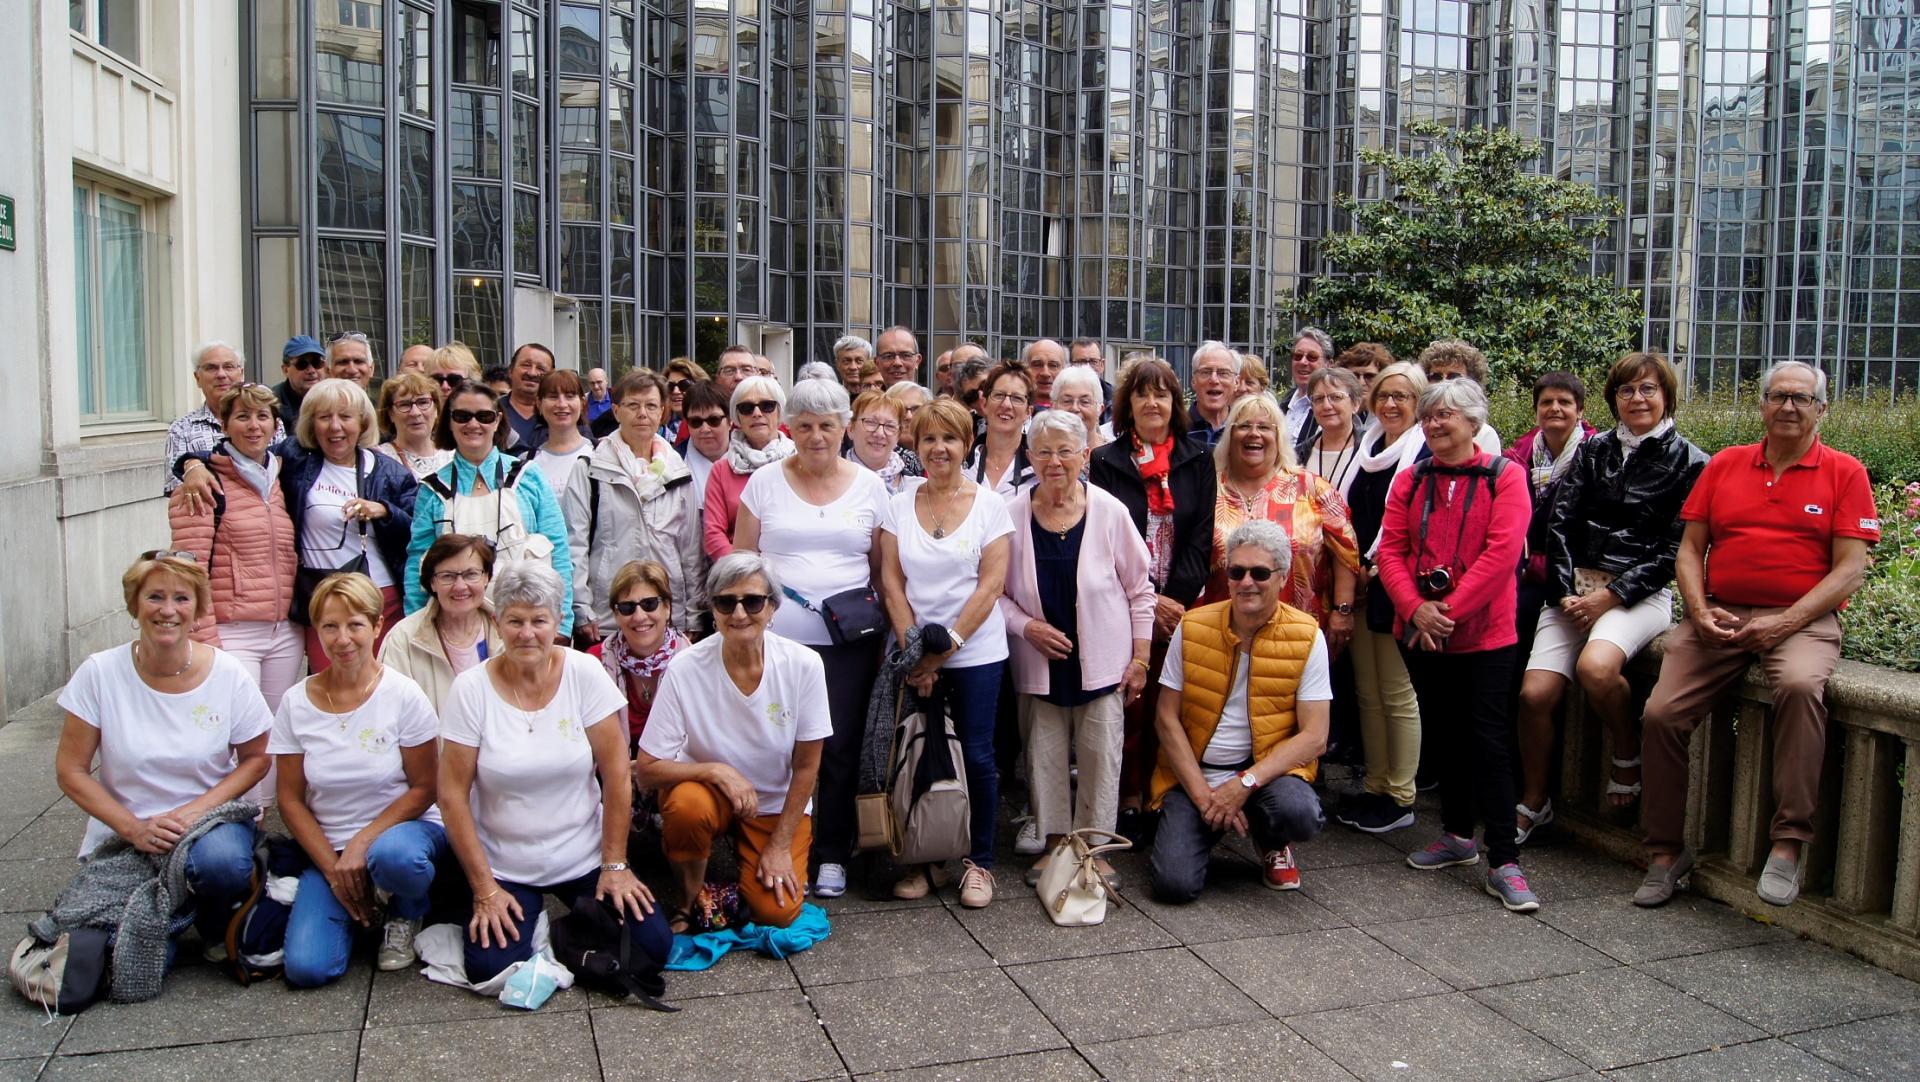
(1071, 888)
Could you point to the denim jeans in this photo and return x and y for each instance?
(651, 936)
(219, 873)
(972, 699)
(1279, 813)
(400, 861)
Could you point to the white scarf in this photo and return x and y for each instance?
(1395, 456)
(744, 459)
(1548, 467)
(1629, 443)
(649, 476)
(261, 477)
(889, 473)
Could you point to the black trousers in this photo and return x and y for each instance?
(1466, 718)
(851, 672)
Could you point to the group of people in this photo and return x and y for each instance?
(667, 600)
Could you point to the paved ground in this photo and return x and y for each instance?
(1372, 971)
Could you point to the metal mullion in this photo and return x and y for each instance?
(394, 18)
(306, 183)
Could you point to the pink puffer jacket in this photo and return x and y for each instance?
(250, 558)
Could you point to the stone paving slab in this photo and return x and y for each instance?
(1132, 995)
(1455, 948)
(756, 1035)
(311, 1055)
(1349, 968)
(1772, 1060)
(1789, 987)
(1887, 1047)
(1616, 1017)
(1251, 1051)
(518, 1044)
(1062, 1066)
(1441, 1037)
(905, 1022)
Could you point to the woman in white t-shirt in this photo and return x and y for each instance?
(179, 729)
(355, 749)
(943, 560)
(534, 782)
(816, 519)
(733, 744)
(562, 438)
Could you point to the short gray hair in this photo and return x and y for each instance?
(756, 388)
(972, 366)
(348, 336)
(200, 351)
(1212, 346)
(816, 370)
(1463, 395)
(820, 397)
(1074, 376)
(533, 583)
(738, 566)
(1266, 536)
(905, 387)
(852, 341)
(1320, 338)
(1342, 377)
(1057, 422)
(1777, 367)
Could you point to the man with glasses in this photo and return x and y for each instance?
(736, 363)
(708, 429)
(1088, 353)
(1312, 350)
(599, 396)
(217, 369)
(1216, 375)
(350, 357)
(521, 403)
(304, 363)
(1776, 538)
(1044, 360)
(897, 356)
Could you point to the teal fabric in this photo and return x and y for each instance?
(695, 952)
(539, 509)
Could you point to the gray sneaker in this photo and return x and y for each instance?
(1779, 881)
(1447, 851)
(396, 946)
(1508, 884)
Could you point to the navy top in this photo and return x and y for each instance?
(1056, 571)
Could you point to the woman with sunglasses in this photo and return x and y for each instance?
(999, 461)
(484, 491)
(644, 639)
(756, 441)
(681, 375)
(455, 631)
(451, 366)
(409, 412)
(733, 746)
(632, 499)
(873, 441)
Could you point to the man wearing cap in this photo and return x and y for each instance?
(217, 369)
(304, 363)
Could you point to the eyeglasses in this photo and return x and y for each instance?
(307, 362)
(170, 554)
(1255, 426)
(1800, 399)
(876, 425)
(1328, 399)
(724, 604)
(415, 405)
(1441, 416)
(638, 404)
(1260, 574)
(1648, 391)
(1214, 373)
(681, 385)
(472, 577)
(644, 604)
(897, 355)
(1011, 398)
(1051, 456)
(739, 371)
(230, 366)
(1074, 402)
(1401, 397)
(764, 405)
(462, 417)
(714, 420)
(450, 381)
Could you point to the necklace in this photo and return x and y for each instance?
(940, 520)
(1074, 514)
(366, 694)
(513, 698)
(169, 676)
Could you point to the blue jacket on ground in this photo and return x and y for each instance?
(539, 510)
(695, 952)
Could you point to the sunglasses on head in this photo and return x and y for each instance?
(645, 604)
(1260, 574)
(182, 554)
(307, 362)
(342, 336)
(461, 417)
(714, 420)
(724, 604)
(764, 405)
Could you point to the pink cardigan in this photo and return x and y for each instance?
(1114, 593)
(722, 506)
(1483, 599)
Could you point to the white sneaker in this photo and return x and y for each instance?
(830, 881)
(396, 945)
(1029, 843)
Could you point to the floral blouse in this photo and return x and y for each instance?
(1313, 514)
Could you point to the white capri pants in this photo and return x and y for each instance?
(1557, 640)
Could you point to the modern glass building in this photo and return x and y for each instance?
(637, 180)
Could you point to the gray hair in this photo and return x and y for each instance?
(1342, 377)
(533, 583)
(738, 566)
(1212, 346)
(349, 336)
(1057, 422)
(1819, 378)
(757, 387)
(1074, 376)
(973, 366)
(1320, 338)
(1266, 536)
(1463, 395)
(817, 370)
(200, 351)
(820, 397)
(852, 341)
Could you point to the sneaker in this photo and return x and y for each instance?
(396, 945)
(1509, 884)
(1779, 881)
(976, 886)
(1281, 872)
(918, 882)
(214, 954)
(830, 881)
(1029, 843)
(1447, 851)
(1376, 814)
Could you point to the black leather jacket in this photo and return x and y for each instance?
(1621, 516)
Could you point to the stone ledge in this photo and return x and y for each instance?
(1873, 697)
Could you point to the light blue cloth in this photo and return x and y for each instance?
(694, 952)
(539, 513)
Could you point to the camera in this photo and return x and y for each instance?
(1434, 583)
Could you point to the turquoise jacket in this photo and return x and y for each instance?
(539, 509)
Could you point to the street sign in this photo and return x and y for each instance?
(6, 223)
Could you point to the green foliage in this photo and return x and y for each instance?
(1475, 247)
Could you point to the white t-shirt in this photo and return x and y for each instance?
(327, 538)
(816, 551)
(1233, 738)
(701, 466)
(536, 798)
(352, 760)
(559, 467)
(699, 715)
(942, 572)
(160, 750)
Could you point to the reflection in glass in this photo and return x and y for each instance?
(416, 294)
(348, 40)
(414, 69)
(276, 164)
(527, 245)
(276, 36)
(414, 186)
(473, 133)
(349, 171)
(473, 217)
(477, 318)
(579, 40)
(579, 186)
(352, 277)
(580, 260)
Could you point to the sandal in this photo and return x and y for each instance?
(1614, 788)
(679, 922)
(1535, 820)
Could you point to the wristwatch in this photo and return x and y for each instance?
(1344, 608)
(959, 640)
(1248, 780)
(614, 866)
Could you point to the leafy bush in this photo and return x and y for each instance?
(1883, 620)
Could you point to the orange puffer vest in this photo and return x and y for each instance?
(249, 555)
(1210, 650)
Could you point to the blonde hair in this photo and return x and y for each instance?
(456, 355)
(943, 415)
(868, 401)
(332, 394)
(1253, 368)
(352, 589)
(186, 570)
(1406, 370)
(1240, 413)
(257, 395)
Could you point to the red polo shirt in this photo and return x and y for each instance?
(1770, 542)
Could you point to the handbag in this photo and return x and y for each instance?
(308, 579)
(927, 784)
(65, 976)
(874, 826)
(1071, 888)
(851, 615)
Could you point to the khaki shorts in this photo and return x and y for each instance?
(1557, 640)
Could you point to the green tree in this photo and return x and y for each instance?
(1473, 246)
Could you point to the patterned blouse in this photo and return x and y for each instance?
(1313, 514)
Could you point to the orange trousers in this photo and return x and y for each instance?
(693, 814)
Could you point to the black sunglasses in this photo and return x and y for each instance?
(714, 420)
(764, 405)
(681, 385)
(724, 604)
(461, 417)
(452, 381)
(645, 604)
(1260, 574)
(307, 362)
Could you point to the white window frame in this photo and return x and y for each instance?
(89, 28)
(156, 271)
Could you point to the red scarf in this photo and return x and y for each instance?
(1154, 461)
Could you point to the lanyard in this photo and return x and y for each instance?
(1426, 512)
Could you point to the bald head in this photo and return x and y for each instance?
(1044, 360)
(415, 359)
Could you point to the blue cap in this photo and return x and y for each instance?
(300, 345)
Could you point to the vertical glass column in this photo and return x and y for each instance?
(416, 187)
(835, 141)
(964, 101)
(1883, 300)
(278, 181)
(1523, 55)
(1729, 310)
(350, 107)
(1590, 128)
(1297, 205)
(477, 248)
(1236, 101)
(1663, 89)
(1109, 173)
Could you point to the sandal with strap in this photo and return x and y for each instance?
(679, 922)
(1535, 820)
(1615, 788)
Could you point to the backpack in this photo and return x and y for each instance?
(65, 976)
(931, 813)
(493, 516)
(592, 941)
(257, 933)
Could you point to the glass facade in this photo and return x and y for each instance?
(1145, 172)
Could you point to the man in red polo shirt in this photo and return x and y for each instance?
(1776, 541)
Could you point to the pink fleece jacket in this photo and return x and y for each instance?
(1114, 594)
(1482, 602)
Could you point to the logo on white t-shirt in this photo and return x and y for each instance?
(570, 729)
(373, 741)
(779, 716)
(205, 718)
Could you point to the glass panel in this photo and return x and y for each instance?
(350, 170)
(580, 260)
(347, 39)
(712, 105)
(415, 189)
(579, 113)
(526, 69)
(620, 120)
(276, 284)
(117, 26)
(710, 43)
(477, 319)
(580, 187)
(416, 295)
(620, 191)
(710, 285)
(276, 164)
(526, 233)
(83, 297)
(620, 334)
(77, 15)
(747, 168)
(526, 143)
(473, 227)
(620, 263)
(589, 314)
(353, 290)
(414, 72)
(476, 45)
(473, 133)
(620, 49)
(123, 307)
(579, 40)
(275, 34)
(709, 224)
(709, 165)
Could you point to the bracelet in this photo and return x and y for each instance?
(488, 898)
(1137, 661)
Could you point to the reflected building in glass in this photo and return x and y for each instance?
(637, 180)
